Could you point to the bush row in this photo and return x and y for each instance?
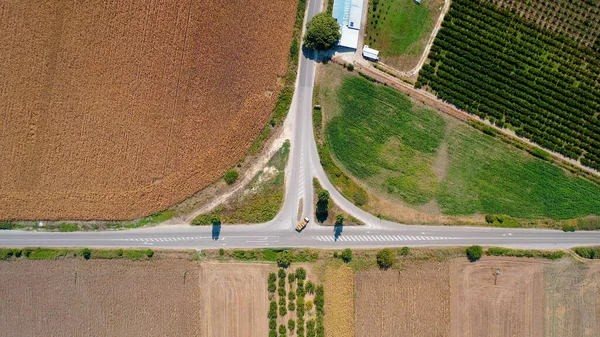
(588, 252)
(86, 253)
(551, 255)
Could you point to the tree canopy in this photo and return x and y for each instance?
(322, 32)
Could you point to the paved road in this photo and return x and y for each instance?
(303, 166)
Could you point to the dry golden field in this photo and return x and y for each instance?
(124, 298)
(413, 302)
(115, 110)
(339, 303)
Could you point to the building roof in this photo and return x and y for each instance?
(349, 37)
(348, 14)
(370, 53)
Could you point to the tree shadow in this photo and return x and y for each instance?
(337, 231)
(321, 216)
(216, 230)
(324, 56)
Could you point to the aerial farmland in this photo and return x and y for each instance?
(118, 110)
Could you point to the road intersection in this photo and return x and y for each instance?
(303, 165)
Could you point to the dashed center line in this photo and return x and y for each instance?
(372, 238)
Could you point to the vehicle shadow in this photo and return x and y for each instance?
(337, 231)
(216, 230)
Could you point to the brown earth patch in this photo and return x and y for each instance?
(118, 110)
(169, 297)
(572, 299)
(514, 306)
(411, 302)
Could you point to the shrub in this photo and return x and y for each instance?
(272, 310)
(300, 274)
(385, 258)
(281, 273)
(291, 296)
(404, 251)
(350, 66)
(282, 329)
(291, 278)
(588, 252)
(222, 252)
(300, 292)
(272, 287)
(86, 252)
(231, 176)
(206, 220)
(310, 287)
(474, 253)
(6, 225)
(272, 277)
(119, 252)
(149, 253)
(281, 291)
(272, 324)
(335, 255)
(347, 255)
(568, 228)
(551, 255)
(284, 259)
(300, 307)
(291, 325)
(309, 305)
(291, 306)
(273, 333)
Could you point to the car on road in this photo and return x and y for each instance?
(302, 224)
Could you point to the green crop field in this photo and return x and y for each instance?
(541, 82)
(400, 28)
(419, 156)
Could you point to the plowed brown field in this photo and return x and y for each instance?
(514, 306)
(124, 298)
(115, 110)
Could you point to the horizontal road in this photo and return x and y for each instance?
(303, 165)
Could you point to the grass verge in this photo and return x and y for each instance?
(56, 253)
(262, 199)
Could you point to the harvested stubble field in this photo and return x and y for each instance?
(412, 302)
(125, 298)
(532, 297)
(339, 301)
(117, 110)
(512, 307)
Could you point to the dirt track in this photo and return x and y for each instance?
(118, 110)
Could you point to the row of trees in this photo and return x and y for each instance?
(491, 63)
(294, 301)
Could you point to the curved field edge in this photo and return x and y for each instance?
(163, 167)
(472, 172)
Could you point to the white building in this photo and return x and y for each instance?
(370, 54)
(348, 14)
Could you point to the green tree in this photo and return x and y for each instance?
(284, 259)
(322, 32)
(347, 255)
(339, 219)
(300, 273)
(86, 252)
(385, 258)
(231, 176)
(149, 253)
(322, 205)
(404, 251)
(474, 253)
